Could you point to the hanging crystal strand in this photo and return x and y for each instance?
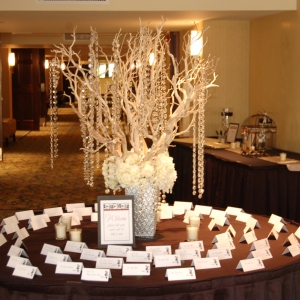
(54, 76)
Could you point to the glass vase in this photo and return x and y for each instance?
(145, 206)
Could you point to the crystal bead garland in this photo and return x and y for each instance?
(54, 77)
(145, 205)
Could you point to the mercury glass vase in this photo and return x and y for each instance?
(145, 205)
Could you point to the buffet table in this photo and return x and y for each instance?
(257, 185)
(280, 279)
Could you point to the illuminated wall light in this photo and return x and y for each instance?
(102, 70)
(110, 69)
(196, 43)
(62, 66)
(46, 64)
(151, 59)
(11, 59)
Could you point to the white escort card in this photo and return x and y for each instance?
(73, 268)
(275, 219)
(243, 217)
(90, 274)
(222, 253)
(195, 244)
(119, 251)
(180, 274)
(291, 240)
(76, 247)
(136, 270)
(185, 205)
(159, 250)
(273, 235)
(216, 213)
(206, 263)
(54, 258)
(222, 221)
(91, 254)
(37, 224)
(261, 253)
(12, 219)
(70, 206)
(16, 260)
(172, 260)
(139, 256)
(21, 234)
(3, 240)
(188, 253)
(53, 212)
(20, 243)
(249, 237)
(212, 226)
(231, 230)
(45, 217)
(260, 244)
(250, 264)
(50, 248)
(10, 228)
(294, 250)
(109, 263)
(203, 209)
(252, 223)
(224, 244)
(75, 218)
(166, 212)
(94, 217)
(234, 211)
(226, 236)
(297, 233)
(96, 207)
(84, 211)
(24, 215)
(280, 227)
(178, 210)
(16, 251)
(26, 271)
(190, 213)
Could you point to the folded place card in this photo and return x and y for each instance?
(19, 243)
(260, 244)
(203, 209)
(24, 215)
(72, 268)
(231, 230)
(26, 271)
(294, 250)
(216, 213)
(54, 258)
(10, 228)
(45, 217)
(16, 251)
(177, 210)
(91, 254)
(291, 240)
(90, 274)
(222, 221)
(243, 217)
(185, 205)
(96, 207)
(234, 211)
(251, 264)
(226, 236)
(76, 247)
(180, 274)
(280, 227)
(273, 235)
(275, 219)
(172, 260)
(261, 253)
(159, 250)
(249, 237)
(206, 263)
(139, 256)
(212, 226)
(21, 234)
(188, 253)
(70, 206)
(50, 248)
(224, 244)
(297, 233)
(119, 251)
(37, 224)
(194, 244)
(12, 219)
(3, 240)
(16, 260)
(166, 212)
(94, 217)
(188, 214)
(222, 253)
(252, 223)
(136, 270)
(84, 211)
(53, 212)
(109, 263)
(76, 218)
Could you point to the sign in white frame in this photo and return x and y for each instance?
(232, 132)
(115, 220)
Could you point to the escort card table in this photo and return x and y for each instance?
(280, 279)
(257, 185)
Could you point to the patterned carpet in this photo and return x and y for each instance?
(27, 180)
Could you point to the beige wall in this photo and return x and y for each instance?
(275, 74)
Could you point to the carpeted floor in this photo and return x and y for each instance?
(27, 180)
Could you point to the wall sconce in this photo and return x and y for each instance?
(110, 69)
(46, 64)
(11, 61)
(102, 70)
(196, 43)
(151, 59)
(62, 66)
